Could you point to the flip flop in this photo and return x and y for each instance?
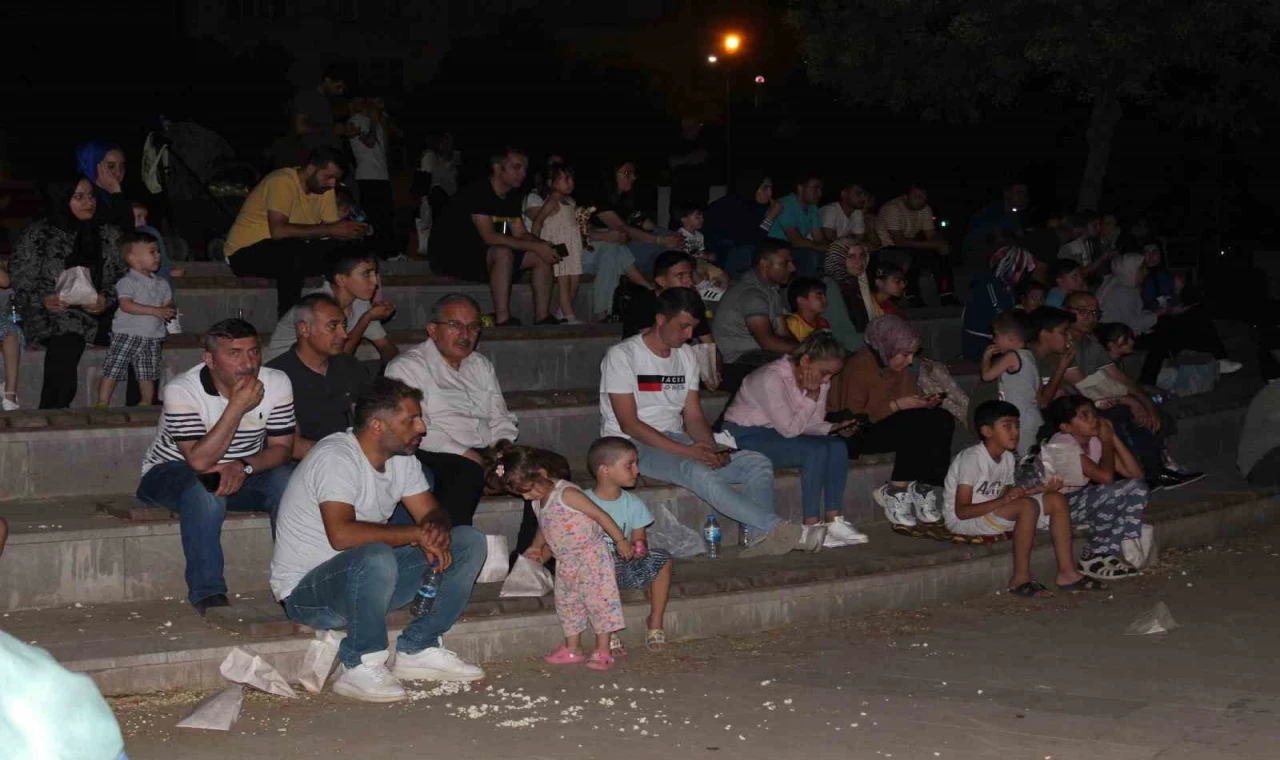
(1084, 584)
(1032, 590)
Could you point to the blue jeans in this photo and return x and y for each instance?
(824, 459)
(174, 485)
(357, 588)
(752, 507)
(608, 262)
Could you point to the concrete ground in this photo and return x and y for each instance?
(996, 677)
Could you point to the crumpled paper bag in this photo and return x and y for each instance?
(527, 578)
(1156, 620)
(75, 287)
(318, 661)
(244, 665)
(496, 564)
(216, 712)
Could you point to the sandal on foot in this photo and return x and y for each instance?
(564, 656)
(1106, 568)
(599, 660)
(1084, 584)
(655, 640)
(1032, 590)
(616, 648)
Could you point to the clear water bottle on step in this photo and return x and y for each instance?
(425, 600)
(744, 535)
(14, 316)
(711, 537)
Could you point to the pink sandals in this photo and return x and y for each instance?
(564, 656)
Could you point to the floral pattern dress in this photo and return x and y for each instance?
(586, 587)
(38, 258)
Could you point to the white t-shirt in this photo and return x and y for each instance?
(192, 406)
(371, 163)
(659, 385)
(286, 332)
(833, 217)
(974, 467)
(336, 469)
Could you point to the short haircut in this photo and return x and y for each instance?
(384, 395)
(1109, 332)
(674, 301)
(131, 238)
(805, 178)
(498, 156)
(1048, 318)
(228, 329)
(346, 259)
(323, 155)
(801, 287)
(768, 247)
(683, 209)
(989, 413)
(1012, 321)
(137, 204)
(1063, 410)
(450, 300)
(1063, 267)
(1027, 285)
(663, 262)
(305, 309)
(1075, 296)
(607, 450)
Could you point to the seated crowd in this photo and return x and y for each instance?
(369, 477)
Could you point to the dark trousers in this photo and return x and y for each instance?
(379, 206)
(457, 484)
(1146, 446)
(920, 440)
(1190, 331)
(921, 261)
(289, 262)
(61, 370)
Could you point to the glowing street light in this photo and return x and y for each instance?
(731, 43)
(712, 59)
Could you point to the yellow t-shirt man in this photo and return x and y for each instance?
(280, 191)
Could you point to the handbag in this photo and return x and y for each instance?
(75, 287)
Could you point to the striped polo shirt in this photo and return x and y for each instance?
(192, 406)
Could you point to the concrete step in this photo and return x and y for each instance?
(220, 269)
(142, 647)
(526, 359)
(88, 452)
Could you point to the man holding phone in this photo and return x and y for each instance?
(223, 443)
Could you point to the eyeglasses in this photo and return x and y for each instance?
(1088, 312)
(471, 327)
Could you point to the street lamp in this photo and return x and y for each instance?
(712, 59)
(731, 43)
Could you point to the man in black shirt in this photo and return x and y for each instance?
(326, 380)
(671, 269)
(482, 239)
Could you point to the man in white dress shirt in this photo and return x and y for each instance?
(462, 403)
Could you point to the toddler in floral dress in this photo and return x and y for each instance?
(572, 528)
(552, 215)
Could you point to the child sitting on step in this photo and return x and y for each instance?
(573, 527)
(138, 328)
(613, 462)
(807, 297)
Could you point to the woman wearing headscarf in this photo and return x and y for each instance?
(1164, 332)
(72, 234)
(992, 295)
(735, 223)
(103, 164)
(877, 382)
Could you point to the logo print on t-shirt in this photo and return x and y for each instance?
(990, 489)
(659, 383)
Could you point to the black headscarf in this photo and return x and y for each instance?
(748, 183)
(87, 249)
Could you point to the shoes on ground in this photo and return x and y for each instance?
(780, 540)
(1168, 479)
(209, 602)
(897, 504)
(812, 538)
(925, 502)
(435, 664)
(841, 533)
(370, 681)
(1227, 366)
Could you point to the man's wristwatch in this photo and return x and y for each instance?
(248, 469)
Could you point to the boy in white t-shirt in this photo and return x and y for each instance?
(981, 499)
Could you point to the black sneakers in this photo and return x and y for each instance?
(1168, 479)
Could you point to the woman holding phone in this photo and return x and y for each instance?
(780, 412)
(877, 382)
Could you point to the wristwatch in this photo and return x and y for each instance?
(248, 469)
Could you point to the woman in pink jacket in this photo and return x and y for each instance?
(780, 412)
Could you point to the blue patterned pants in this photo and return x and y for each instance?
(1111, 511)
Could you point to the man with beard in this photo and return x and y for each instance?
(339, 564)
(223, 443)
(463, 403)
(288, 226)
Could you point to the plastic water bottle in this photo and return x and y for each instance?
(744, 535)
(425, 600)
(14, 316)
(711, 537)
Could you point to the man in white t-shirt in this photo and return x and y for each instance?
(223, 443)
(844, 218)
(649, 394)
(352, 281)
(339, 564)
(367, 126)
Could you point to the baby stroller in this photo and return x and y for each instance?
(196, 170)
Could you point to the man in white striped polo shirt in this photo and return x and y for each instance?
(223, 443)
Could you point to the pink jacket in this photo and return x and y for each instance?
(770, 397)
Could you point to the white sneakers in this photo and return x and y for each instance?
(435, 664)
(782, 539)
(841, 533)
(370, 681)
(908, 506)
(1227, 366)
(925, 503)
(7, 404)
(812, 538)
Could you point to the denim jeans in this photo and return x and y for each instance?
(752, 507)
(824, 459)
(357, 588)
(174, 485)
